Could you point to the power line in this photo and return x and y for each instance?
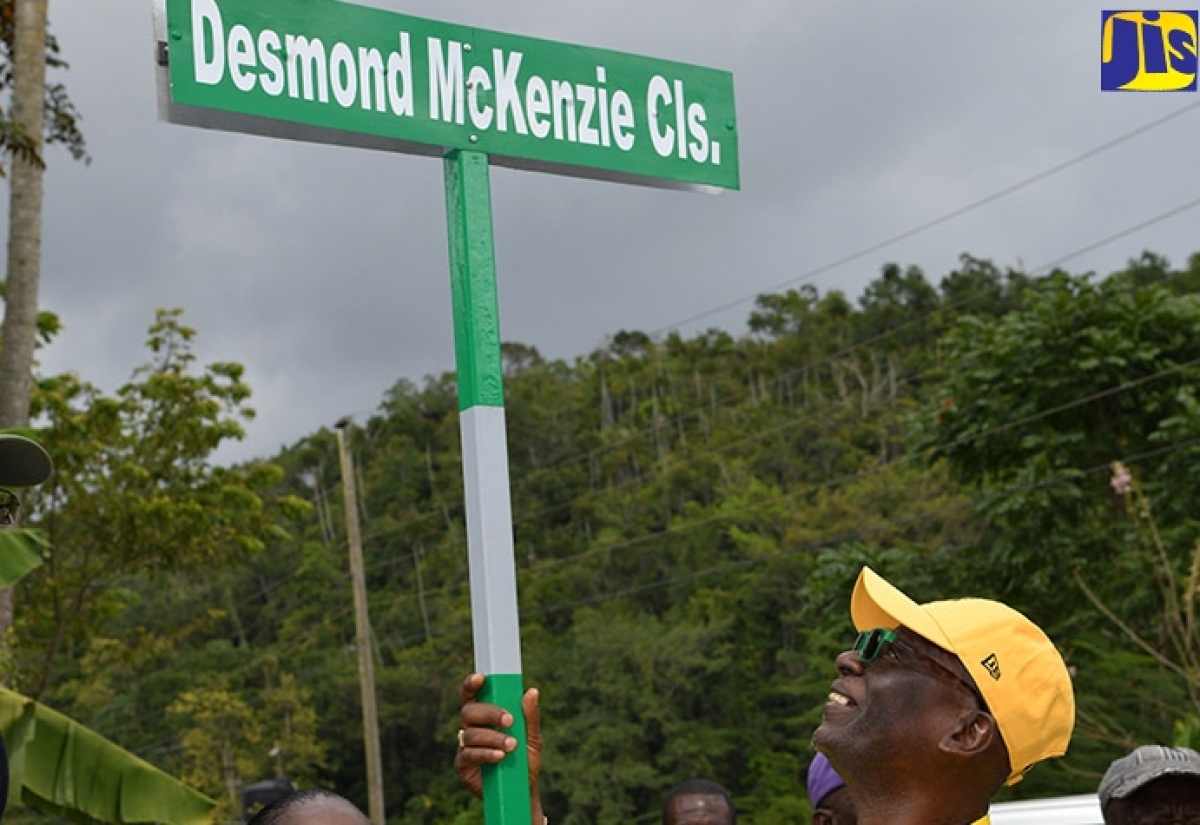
(684, 417)
(1126, 232)
(1137, 227)
(942, 219)
(934, 222)
(829, 539)
(1083, 250)
(823, 541)
(930, 224)
(849, 478)
(1003, 426)
(1046, 267)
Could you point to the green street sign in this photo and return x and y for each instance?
(335, 72)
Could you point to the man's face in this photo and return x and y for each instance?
(699, 809)
(1172, 800)
(836, 809)
(887, 713)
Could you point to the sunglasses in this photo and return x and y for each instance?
(9, 504)
(872, 644)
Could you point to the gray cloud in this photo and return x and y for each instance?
(324, 269)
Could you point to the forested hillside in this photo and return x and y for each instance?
(690, 515)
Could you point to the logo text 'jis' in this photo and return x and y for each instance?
(1148, 51)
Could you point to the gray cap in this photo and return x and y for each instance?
(23, 462)
(1144, 765)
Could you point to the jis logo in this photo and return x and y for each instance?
(1148, 51)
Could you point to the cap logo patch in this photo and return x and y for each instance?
(992, 665)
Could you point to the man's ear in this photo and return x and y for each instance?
(822, 817)
(973, 734)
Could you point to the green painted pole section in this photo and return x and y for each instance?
(506, 786)
(481, 385)
(473, 281)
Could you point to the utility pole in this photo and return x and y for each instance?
(362, 628)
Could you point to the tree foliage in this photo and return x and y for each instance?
(62, 119)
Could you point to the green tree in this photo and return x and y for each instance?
(1035, 404)
(135, 494)
(646, 728)
(1032, 408)
(230, 742)
(60, 118)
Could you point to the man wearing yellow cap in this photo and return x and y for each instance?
(935, 708)
(939, 705)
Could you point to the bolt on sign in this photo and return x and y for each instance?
(341, 73)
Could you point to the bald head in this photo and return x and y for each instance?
(310, 808)
(698, 802)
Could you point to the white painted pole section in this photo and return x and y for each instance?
(489, 526)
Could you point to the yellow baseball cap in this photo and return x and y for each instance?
(1016, 667)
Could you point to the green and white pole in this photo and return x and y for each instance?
(494, 616)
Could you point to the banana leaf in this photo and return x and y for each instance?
(61, 767)
(20, 553)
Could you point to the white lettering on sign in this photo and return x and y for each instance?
(698, 145)
(343, 76)
(241, 57)
(206, 30)
(537, 106)
(658, 97)
(588, 133)
(445, 82)
(307, 65)
(399, 79)
(269, 48)
(370, 78)
(688, 137)
(491, 91)
(508, 99)
(478, 82)
(300, 66)
(562, 109)
(622, 120)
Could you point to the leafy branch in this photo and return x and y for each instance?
(1182, 650)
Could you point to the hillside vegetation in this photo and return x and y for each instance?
(690, 514)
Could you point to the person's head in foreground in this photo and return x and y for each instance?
(698, 802)
(1153, 785)
(939, 705)
(23, 463)
(831, 801)
(310, 807)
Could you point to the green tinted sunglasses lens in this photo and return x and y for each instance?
(870, 643)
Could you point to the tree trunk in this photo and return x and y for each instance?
(19, 329)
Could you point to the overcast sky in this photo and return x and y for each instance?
(324, 269)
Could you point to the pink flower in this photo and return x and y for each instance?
(1121, 481)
